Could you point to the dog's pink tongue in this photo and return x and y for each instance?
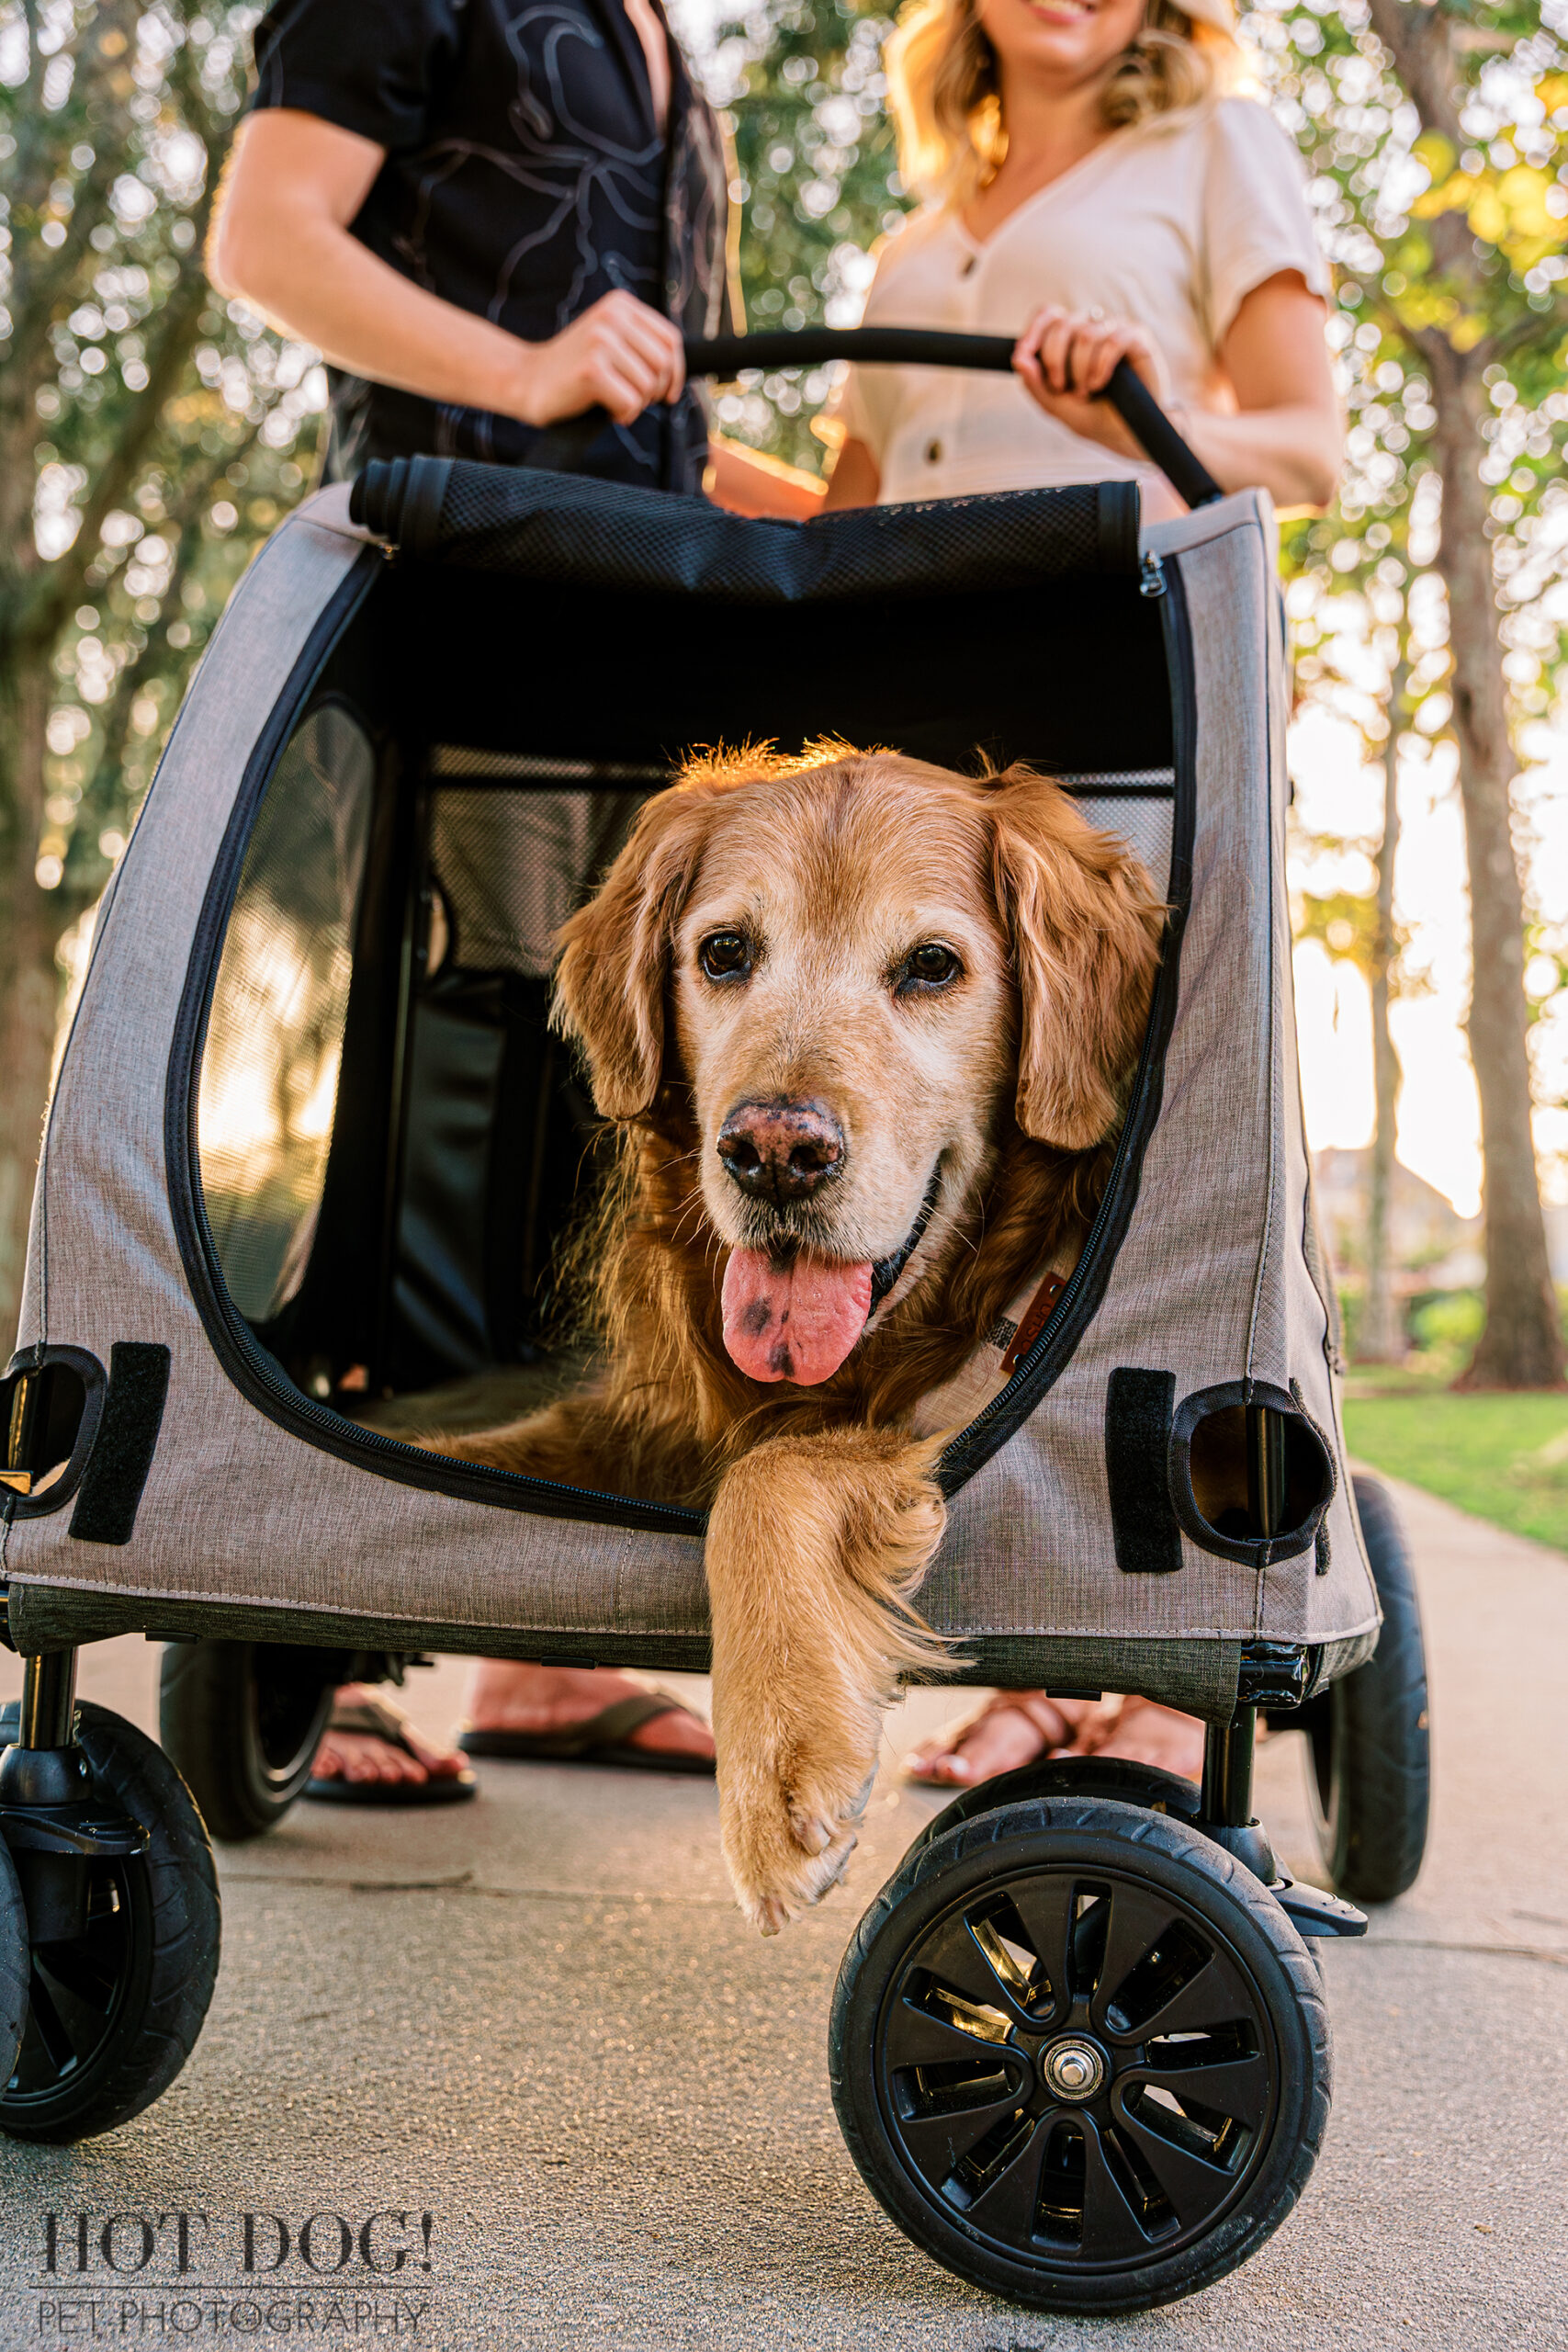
(795, 1322)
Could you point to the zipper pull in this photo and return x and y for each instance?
(1151, 577)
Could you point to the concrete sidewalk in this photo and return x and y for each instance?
(540, 2021)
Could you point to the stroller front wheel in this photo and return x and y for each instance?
(113, 2007)
(1080, 2056)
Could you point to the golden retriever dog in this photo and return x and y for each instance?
(866, 1029)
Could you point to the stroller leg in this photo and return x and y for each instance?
(1226, 1815)
(1227, 1770)
(45, 1766)
(44, 1781)
(49, 1700)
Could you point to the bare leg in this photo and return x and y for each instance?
(813, 1545)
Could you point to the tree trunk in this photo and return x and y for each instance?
(1379, 1337)
(30, 925)
(1521, 1343)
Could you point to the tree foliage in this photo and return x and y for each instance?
(1438, 136)
(148, 433)
(804, 96)
(150, 436)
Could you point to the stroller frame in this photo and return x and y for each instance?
(1086, 1453)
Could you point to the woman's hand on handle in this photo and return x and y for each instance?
(1066, 357)
(1284, 432)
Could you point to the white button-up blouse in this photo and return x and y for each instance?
(1169, 223)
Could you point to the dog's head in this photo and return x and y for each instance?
(860, 968)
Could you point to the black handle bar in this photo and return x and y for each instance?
(726, 354)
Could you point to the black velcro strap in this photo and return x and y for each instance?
(1138, 1411)
(123, 1449)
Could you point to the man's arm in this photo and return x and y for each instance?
(281, 241)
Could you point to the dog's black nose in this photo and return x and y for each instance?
(780, 1151)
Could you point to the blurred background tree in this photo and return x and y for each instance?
(150, 436)
(1436, 134)
(804, 96)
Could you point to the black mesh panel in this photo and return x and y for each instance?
(565, 527)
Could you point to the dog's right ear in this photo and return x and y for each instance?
(615, 955)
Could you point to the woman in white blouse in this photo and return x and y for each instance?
(1085, 173)
(1087, 183)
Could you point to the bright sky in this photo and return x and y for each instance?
(1439, 1125)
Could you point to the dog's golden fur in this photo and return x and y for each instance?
(997, 1095)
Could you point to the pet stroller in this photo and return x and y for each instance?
(310, 1147)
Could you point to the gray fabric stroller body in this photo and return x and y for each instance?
(311, 1150)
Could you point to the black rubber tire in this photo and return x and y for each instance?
(143, 1978)
(1368, 1745)
(1162, 1864)
(14, 1961)
(241, 1721)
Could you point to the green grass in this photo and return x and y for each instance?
(1503, 1457)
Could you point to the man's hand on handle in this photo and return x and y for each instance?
(618, 355)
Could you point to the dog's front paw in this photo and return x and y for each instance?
(788, 1835)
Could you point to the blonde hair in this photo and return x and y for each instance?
(944, 90)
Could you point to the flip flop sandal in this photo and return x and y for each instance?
(605, 1738)
(377, 1720)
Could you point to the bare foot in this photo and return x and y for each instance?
(1018, 1727)
(1012, 1728)
(1147, 1734)
(505, 1696)
(360, 1756)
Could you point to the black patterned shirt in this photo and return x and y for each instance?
(525, 176)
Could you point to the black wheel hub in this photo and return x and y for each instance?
(76, 1992)
(1077, 2068)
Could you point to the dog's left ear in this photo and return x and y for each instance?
(615, 958)
(1085, 927)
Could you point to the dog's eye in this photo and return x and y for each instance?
(930, 966)
(724, 954)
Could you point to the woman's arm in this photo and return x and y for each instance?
(856, 480)
(750, 484)
(1286, 433)
(281, 240)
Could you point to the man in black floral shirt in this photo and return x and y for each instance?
(491, 216)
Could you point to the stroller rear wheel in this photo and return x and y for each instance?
(113, 2009)
(1080, 2055)
(242, 1722)
(1368, 1770)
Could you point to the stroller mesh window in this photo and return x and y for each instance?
(269, 1070)
(512, 866)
